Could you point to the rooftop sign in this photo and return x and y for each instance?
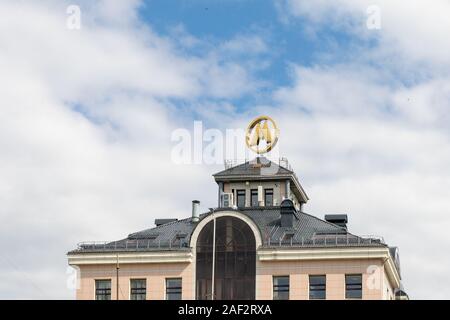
(262, 135)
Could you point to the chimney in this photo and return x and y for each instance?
(340, 220)
(287, 211)
(195, 211)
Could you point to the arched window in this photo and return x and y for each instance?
(235, 260)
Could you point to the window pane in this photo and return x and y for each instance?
(281, 281)
(353, 286)
(138, 289)
(173, 289)
(353, 279)
(102, 289)
(268, 197)
(254, 197)
(317, 287)
(240, 198)
(281, 288)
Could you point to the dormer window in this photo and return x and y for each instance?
(288, 237)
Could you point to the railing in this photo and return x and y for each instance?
(151, 244)
(230, 163)
(131, 244)
(282, 161)
(327, 240)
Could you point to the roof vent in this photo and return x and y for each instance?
(340, 220)
(160, 222)
(287, 211)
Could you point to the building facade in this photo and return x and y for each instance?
(257, 244)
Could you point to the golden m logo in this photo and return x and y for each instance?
(262, 134)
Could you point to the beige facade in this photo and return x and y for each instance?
(154, 274)
(277, 187)
(334, 271)
(376, 282)
(280, 191)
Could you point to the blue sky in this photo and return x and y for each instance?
(219, 21)
(289, 40)
(87, 115)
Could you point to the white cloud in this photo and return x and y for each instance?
(411, 30)
(86, 116)
(336, 91)
(372, 131)
(85, 123)
(246, 44)
(378, 152)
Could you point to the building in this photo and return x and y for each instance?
(264, 247)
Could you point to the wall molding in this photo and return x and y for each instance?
(130, 257)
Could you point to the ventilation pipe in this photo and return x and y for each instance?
(195, 211)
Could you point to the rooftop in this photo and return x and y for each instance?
(303, 230)
(307, 231)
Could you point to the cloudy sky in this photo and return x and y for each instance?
(86, 118)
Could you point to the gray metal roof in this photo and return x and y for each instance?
(257, 167)
(307, 231)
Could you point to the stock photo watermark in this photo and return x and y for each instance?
(73, 279)
(374, 278)
(73, 21)
(213, 146)
(373, 21)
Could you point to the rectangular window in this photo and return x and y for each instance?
(173, 289)
(138, 289)
(268, 197)
(353, 286)
(317, 287)
(240, 201)
(281, 288)
(254, 197)
(102, 289)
